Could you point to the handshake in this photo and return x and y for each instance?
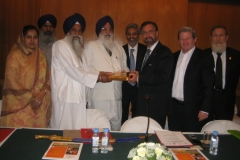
(105, 77)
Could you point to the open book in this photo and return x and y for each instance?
(172, 139)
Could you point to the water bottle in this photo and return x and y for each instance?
(214, 143)
(104, 148)
(95, 140)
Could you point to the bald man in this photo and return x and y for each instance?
(71, 77)
(106, 55)
(47, 24)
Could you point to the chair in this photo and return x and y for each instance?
(139, 124)
(97, 119)
(221, 126)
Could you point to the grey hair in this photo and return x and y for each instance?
(132, 25)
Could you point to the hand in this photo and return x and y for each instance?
(202, 115)
(105, 73)
(133, 76)
(37, 100)
(104, 78)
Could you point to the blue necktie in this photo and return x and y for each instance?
(146, 57)
(132, 61)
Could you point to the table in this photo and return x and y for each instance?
(22, 145)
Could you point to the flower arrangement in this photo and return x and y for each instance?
(149, 151)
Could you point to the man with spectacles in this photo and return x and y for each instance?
(226, 83)
(192, 85)
(71, 77)
(153, 78)
(47, 24)
(134, 51)
(106, 55)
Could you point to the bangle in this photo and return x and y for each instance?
(100, 78)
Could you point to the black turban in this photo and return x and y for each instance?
(48, 17)
(71, 21)
(102, 22)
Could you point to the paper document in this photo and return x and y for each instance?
(170, 138)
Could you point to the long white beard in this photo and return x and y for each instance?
(77, 44)
(108, 43)
(219, 48)
(45, 37)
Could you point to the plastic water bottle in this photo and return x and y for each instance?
(214, 143)
(95, 140)
(104, 148)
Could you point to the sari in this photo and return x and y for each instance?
(26, 75)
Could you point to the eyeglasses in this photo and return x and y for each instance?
(107, 29)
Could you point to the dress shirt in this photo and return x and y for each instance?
(134, 52)
(182, 63)
(223, 57)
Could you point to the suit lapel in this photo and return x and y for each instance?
(192, 61)
(228, 64)
(152, 55)
(127, 54)
(140, 57)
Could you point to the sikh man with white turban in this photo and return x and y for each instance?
(71, 77)
(106, 55)
(47, 24)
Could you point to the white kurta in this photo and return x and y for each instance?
(107, 96)
(69, 83)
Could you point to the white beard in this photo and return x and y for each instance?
(77, 44)
(46, 38)
(218, 48)
(108, 43)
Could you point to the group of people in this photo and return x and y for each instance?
(190, 87)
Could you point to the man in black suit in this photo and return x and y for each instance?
(133, 51)
(192, 88)
(226, 84)
(153, 78)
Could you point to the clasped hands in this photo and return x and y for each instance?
(133, 76)
(103, 77)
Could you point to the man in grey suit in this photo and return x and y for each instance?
(192, 88)
(134, 51)
(225, 86)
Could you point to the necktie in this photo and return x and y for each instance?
(132, 61)
(110, 52)
(218, 80)
(146, 57)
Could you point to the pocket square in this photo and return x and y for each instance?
(150, 65)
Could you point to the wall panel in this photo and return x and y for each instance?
(202, 16)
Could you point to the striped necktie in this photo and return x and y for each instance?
(132, 61)
(146, 57)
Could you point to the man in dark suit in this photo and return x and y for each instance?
(226, 84)
(192, 88)
(133, 51)
(153, 78)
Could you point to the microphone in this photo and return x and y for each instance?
(146, 135)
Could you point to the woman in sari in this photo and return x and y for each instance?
(26, 91)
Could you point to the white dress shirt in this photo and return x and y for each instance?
(182, 63)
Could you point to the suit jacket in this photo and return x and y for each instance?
(140, 53)
(232, 73)
(198, 83)
(154, 80)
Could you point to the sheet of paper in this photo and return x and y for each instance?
(170, 138)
